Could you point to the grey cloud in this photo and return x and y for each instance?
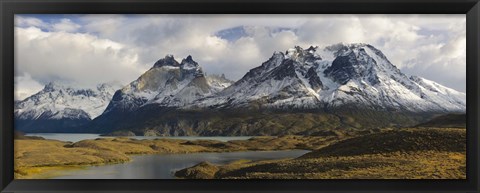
(410, 41)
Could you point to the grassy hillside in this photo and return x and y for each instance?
(447, 121)
(395, 154)
(39, 158)
(170, 122)
(404, 140)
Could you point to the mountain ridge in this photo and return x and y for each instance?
(347, 84)
(58, 107)
(358, 79)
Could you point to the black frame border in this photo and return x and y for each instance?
(10, 7)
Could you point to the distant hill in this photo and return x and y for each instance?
(405, 140)
(411, 153)
(447, 121)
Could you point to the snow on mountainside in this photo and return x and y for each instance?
(168, 83)
(349, 85)
(57, 102)
(342, 74)
(278, 80)
(218, 82)
(364, 75)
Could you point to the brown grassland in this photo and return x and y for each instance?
(424, 153)
(38, 158)
(415, 153)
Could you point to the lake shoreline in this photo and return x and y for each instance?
(419, 153)
(103, 151)
(410, 153)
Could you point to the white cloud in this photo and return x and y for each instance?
(80, 59)
(29, 22)
(65, 25)
(25, 86)
(416, 44)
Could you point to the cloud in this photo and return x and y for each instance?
(74, 58)
(29, 22)
(25, 86)
(65, 25)
(417, 44)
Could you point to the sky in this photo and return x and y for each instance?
(86, 50)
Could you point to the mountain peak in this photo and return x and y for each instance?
(51, 86)
(360, 61)
(59, 101)
(303, 55)
(168, 60)
(188, 63)
(188, 59)
(111, 86)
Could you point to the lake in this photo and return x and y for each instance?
(75, 137)
(164, 165)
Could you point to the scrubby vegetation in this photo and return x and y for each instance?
(255, 123)
(391, 154)
(447, 121)
(411, 153)
(34, 157)
(405, 140)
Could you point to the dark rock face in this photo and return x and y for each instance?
(349, 65)
(169, 60)
(314, 79)
(117, 103)
(286, 69)
(343, 69)
(189, 60)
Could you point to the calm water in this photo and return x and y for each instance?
(163, 166)
(75, 137)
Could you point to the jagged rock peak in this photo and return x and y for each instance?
(342, 49)
(303, 55)
(353, 62)
(188, 59)
(189, 62)
(168, 60)
(103, 86)
(51, 86)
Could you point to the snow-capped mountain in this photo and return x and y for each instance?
(59, 103)
(169, 84)
(353, 74)
(345, 85)
(363, 74)
(277, 81)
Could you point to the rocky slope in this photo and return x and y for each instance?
(167, 85)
